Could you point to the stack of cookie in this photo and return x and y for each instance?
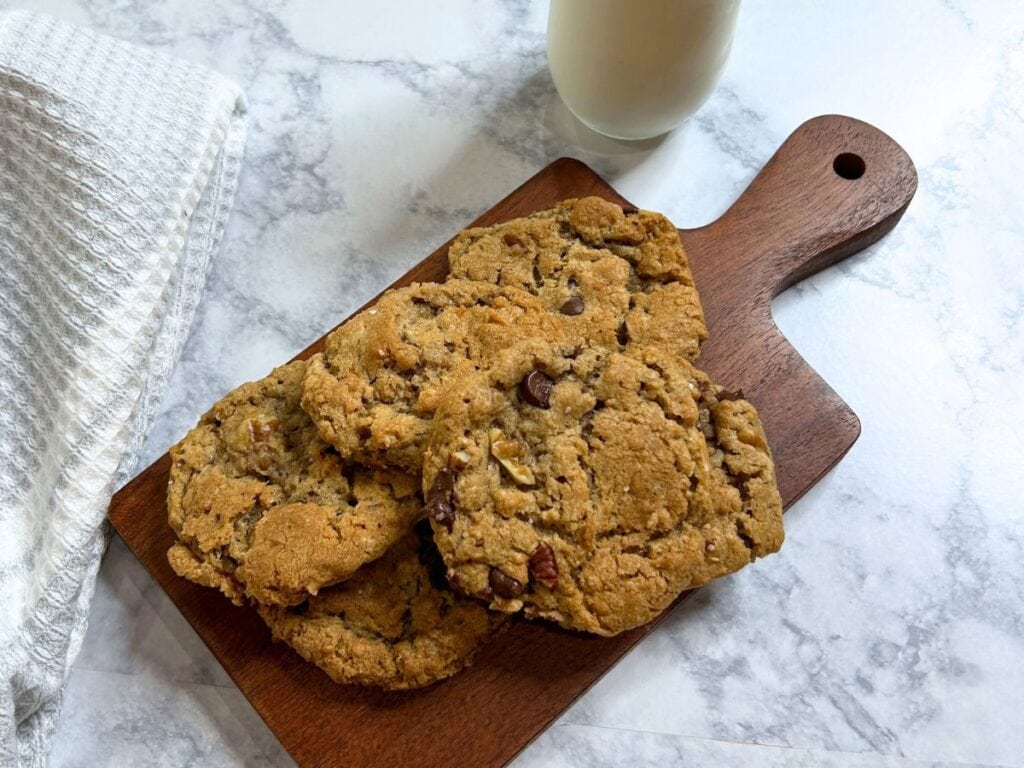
(530, 436)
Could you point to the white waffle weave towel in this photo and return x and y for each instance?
(117, 170)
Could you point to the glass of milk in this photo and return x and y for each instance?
(633, 69)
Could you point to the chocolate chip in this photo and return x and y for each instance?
(573, 306)
(429, 557)
(622, 334)
(726, 394)
(543, 565)
(535, 388)
(440, 503)
(503, 584)
(511, 240)
(628, 209)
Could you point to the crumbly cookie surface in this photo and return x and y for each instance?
(744, 487)
(623, 276)
(395, 624)
(264, 509)
(576, 483)
(374, 389)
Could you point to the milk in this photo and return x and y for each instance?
(633, 69)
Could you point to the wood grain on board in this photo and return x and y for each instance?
(834, 187)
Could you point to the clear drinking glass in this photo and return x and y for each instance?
(633, 69)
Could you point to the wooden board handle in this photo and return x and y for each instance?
(834, 187)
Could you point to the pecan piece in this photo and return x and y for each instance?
(509, 453)
(543, 565)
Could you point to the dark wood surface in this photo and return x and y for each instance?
(798, 216)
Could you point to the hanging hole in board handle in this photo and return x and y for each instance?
(849, 166)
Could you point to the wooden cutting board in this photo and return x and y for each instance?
(835, 186)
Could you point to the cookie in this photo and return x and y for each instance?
(743, 485)
(624, 276)
(264, 509)
(374, 389)
(395, 624)
(576, 484)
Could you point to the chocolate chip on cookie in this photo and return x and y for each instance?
(535, 388)
(622, 334)
(440, 499)
(573, 306)
(504, 585)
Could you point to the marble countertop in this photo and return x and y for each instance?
(890, 630)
